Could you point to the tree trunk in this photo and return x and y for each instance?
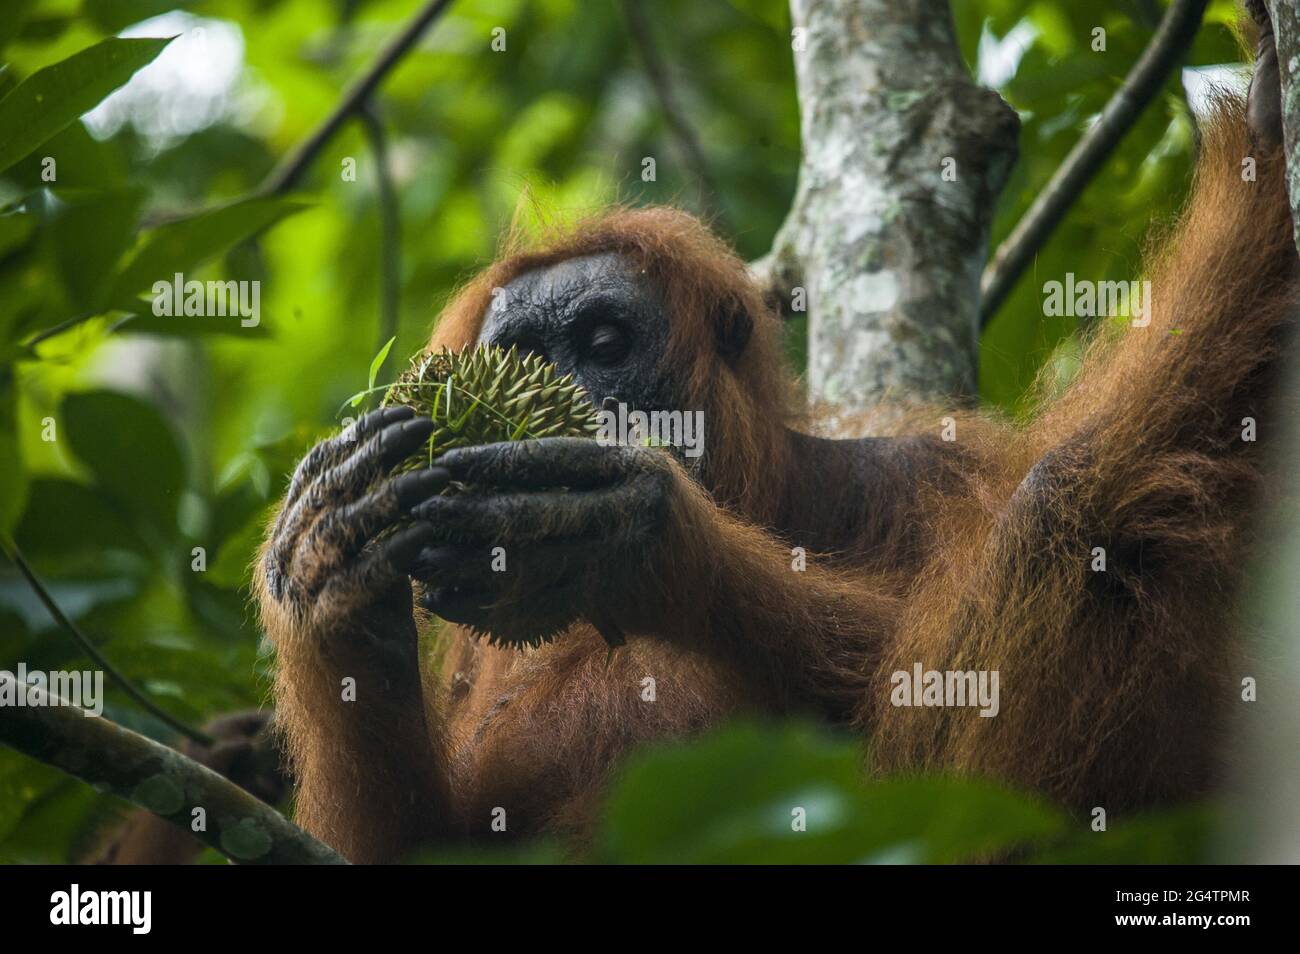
(1272, 774)
(903, 160)
(1286, 26)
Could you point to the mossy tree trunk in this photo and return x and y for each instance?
(904, 157)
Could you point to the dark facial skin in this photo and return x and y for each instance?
(572, 515)
(597, 318)
(578, 521)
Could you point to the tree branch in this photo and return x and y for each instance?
(285, 175)
(154, 777)
(903, 160)
(657, 72)
(125, 684)
(1165, 51)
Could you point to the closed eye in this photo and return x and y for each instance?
(607, 344)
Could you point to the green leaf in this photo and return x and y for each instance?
(232, 565)
(378, 361)
(1182, 836)
(238, 515)
(130, 450)
(63, 517)
(51, 829)
(164, 327)
(23, 781)
(76, 597)
(88, 235)
(733, 797)
(188, 242)
(375, 365)
(58, 95)
(81, 162)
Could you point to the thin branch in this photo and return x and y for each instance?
(1144, 81)
(657, 71)
(161, 780)
(125, 684)
(390, 248)
(285, 175)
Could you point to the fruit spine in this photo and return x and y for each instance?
(485, 395)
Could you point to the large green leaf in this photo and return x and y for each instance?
(64, 517)
(52, 98)
(733, 797)
(23, 781)
(75, 597)
(81, 162)
(130, 450)
(87, 236)
(188, 242)
(1182, 836)
(52, 829)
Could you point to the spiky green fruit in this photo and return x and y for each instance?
(485, 395)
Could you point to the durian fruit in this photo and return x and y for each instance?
(485, 395)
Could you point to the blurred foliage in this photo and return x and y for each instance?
(1060, 84)
(755, 793)
(128, 442)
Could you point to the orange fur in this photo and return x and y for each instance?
(1116, 683)
(971, 555)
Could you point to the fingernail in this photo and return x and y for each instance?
(419, 424)
(417, 486)
(407, 544)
